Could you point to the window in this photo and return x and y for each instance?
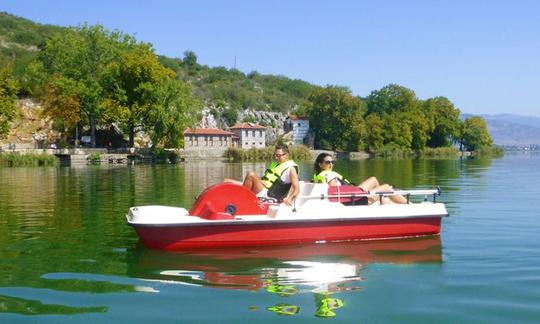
(253, 134)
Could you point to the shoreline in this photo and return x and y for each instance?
(104, 156)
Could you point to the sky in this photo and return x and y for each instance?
(483, 55)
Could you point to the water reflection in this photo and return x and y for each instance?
(326, 271)
(25, 306)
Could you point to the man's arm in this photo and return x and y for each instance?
(295, 187)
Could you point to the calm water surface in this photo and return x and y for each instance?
(66, 253)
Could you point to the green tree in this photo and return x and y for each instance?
(230, 115)
(374, 133)
(474, 134)
(85, 56)
(444, 121)
(136, 78)
(190, 59)
(420, 128)
(174, 111)
(397, 130)
(59, 98)
(389, 99)
(336, 117)
(8, 95)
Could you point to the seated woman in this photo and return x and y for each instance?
(324, 174)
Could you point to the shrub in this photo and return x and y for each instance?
(393, 151)
(491, 151)
(440, 152)
(94, 158)
(16, 159)
(166, 156)
(297, 153)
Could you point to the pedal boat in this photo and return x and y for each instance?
(230, 215)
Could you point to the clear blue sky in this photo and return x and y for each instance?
(484, 55)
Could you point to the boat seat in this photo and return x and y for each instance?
(310, 189)
(348, 192)
(226, 200)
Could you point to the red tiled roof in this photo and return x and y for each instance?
(207, 131)
(247, 126)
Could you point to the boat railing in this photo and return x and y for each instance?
(405, 193)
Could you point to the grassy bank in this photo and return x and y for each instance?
(16, 159)
(297, 153)
(438, 153)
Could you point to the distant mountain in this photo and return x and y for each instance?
(510, 129)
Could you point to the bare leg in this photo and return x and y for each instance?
(227, 180)
(389, 199)
(253, 182)
(369, 184)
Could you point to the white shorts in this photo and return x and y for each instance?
(262, 194)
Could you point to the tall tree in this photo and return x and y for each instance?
(136, 78)
(374, 133)
(85, 56)
(397, 130)
(444, 120)
(474, 134)
(8, 95)
(61, 103)
(175, 109)
(190, 58)
(420, 127)
(336, 117)
(406, 125)
(389, 99)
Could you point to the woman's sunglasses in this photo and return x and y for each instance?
(328, 162)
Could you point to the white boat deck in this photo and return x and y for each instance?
(311, 205)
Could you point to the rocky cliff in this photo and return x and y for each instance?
(31, 130)
(273, 121)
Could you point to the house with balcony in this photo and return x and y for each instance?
(250, 135)
(209, 138)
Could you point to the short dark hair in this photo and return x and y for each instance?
(282, 147)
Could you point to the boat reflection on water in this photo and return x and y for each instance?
(324, 270)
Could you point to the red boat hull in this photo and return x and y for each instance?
(176, 237)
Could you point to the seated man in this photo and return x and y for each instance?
(280, 180)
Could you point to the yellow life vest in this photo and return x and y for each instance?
(321, 177)
(274, 171)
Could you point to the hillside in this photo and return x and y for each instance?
(229, 95)
(20, 39)
(225, 91)
(510, 129)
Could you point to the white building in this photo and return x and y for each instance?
(299, 126)
(250, 135)
(209, 138)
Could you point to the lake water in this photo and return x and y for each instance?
(66, 253)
